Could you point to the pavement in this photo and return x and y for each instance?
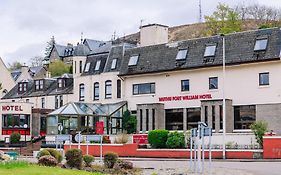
(159, 166)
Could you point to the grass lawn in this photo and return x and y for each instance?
(39, 170)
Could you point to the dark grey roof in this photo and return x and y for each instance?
(81, 50)
(60, 49)
(50, 88)
(96, 46)
(116, 52)
(239, 49)
(92, 60)
(16, 74)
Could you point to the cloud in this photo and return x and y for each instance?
(26, 24)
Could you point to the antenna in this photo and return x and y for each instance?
(141, 21)
(81, 37)
(200, 11)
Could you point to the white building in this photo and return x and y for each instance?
(173, 85)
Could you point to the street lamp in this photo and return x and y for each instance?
(223, 96)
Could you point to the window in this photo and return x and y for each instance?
(193, 117)
(96, 91)
(264, 79)
(56, 102)
(114, 63)
(39, 84)
(181, 54)
(22, 87)
(206, 115)
(133, 60)
(81, 92)
(87, 67)
(118, 88)
(61, 101)
(174, 119)
(244, 116)
(15, 121)
(184, 85)
(61, 83)
(108, 89)
(42, 103)
(27, 100)
(213, 83)
(98, 65)
(147, 119)
(221, 117)
(141, 119)
(261, 44)
(210, 51)
(213, 117)
(80, 67)
(75, 67)
(146, 88)
(153, 119)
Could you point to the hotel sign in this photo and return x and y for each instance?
(12, 108)
(186, 97)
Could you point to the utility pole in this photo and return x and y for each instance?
(223, 96)
(200, 12)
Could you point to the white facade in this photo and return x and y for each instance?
(241, 85)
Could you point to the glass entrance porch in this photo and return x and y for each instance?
(75, 117)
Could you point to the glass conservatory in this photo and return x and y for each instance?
(74, 117)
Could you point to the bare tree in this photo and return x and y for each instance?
(37, 61)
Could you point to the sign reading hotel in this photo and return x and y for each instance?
(12, 108)
(186, 97)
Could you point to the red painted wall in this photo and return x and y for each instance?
(131, 150)
(272, 147)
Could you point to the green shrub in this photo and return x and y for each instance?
(158, 138)
(123, 164)
(43, 152)
(259, 128)
(56, 154)
(110, 158)
(47, 161)
(88, 159)
(175, 140)
(52, 152)
(15, 138)
(74, 158)
(129, 122)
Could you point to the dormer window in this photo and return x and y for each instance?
(61, 83)
(182, 53)
(261, 44)
(22, 87)
(39, 84)
(87, 67)
(98, 65)
(114, 63)
(210, 51)
(133, 60)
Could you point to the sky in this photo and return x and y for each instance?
(27, 25)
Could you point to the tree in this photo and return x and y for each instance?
(50, 45)
(223, 21)
(259, 128)
(14, 66)
(129, 122)
(265, 15)
(58, 68)
(37, 61)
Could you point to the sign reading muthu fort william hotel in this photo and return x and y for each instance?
(12, 108)
(186, 97)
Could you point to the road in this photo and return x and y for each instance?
(167, 167)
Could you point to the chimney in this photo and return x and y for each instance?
(24, 69)
(153, 34)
